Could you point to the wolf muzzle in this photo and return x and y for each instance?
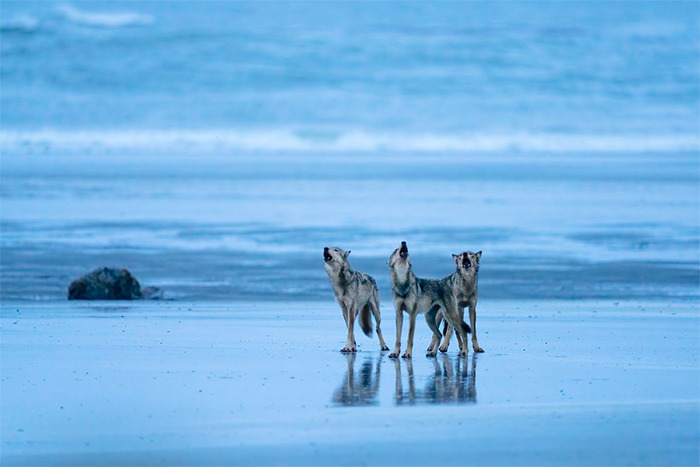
(403, 251)
(326, 256)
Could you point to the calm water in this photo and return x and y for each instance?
(215, 148)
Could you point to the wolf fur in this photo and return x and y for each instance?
(465, 288)
(420, 296)
(356, 294)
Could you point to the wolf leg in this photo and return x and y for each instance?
(374, 303)
(411, 331)
(350, 345)
(472, 322)
(448, 334)
(461, 342)
(457, 322)
(462, 339)
(345, 318)
(430, 318)
(344, 309)
(446, 340)
(399, 325)
(438, 320)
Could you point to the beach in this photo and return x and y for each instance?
(560, 383)
(215, 148)
(588, 313)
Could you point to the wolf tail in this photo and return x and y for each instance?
(466, 327)
(366, 320)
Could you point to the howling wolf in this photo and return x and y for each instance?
(465, 288)
(356, 293)
(421, 296)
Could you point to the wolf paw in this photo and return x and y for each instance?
(463, 353)
(385, 348)
(431, 353)
(443, 348)
(348, 349)
(394, 355)
(406, 355)
(478, 349)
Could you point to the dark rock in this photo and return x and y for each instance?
(105, 284)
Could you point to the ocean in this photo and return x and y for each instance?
(214, 148)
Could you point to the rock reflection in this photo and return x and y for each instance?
(450, 380)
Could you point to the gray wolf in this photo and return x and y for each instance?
(465, 288)
(356, 294)
(420, 296)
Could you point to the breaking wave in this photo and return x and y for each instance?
(103, 19)
(356, 141)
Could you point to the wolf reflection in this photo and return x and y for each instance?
(449, 382)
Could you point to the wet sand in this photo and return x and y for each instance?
(561, 383)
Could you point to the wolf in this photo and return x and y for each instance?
(465, 288)
(356, 294)
(420, 296)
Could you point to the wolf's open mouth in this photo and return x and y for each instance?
(403, 251)
(326, 256)
(466, 264)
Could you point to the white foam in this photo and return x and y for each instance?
(107, 20)
(357, 141)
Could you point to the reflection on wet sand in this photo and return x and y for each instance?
(361, 388)
(449, 382)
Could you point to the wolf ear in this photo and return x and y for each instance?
(346, 254)
(455, 258)
(478, 256)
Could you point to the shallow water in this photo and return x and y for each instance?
(550, 227)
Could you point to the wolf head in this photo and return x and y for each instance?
(334, 259)
(467, 263)
(399, 259)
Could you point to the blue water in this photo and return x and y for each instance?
(215, 148)
(550, 69)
